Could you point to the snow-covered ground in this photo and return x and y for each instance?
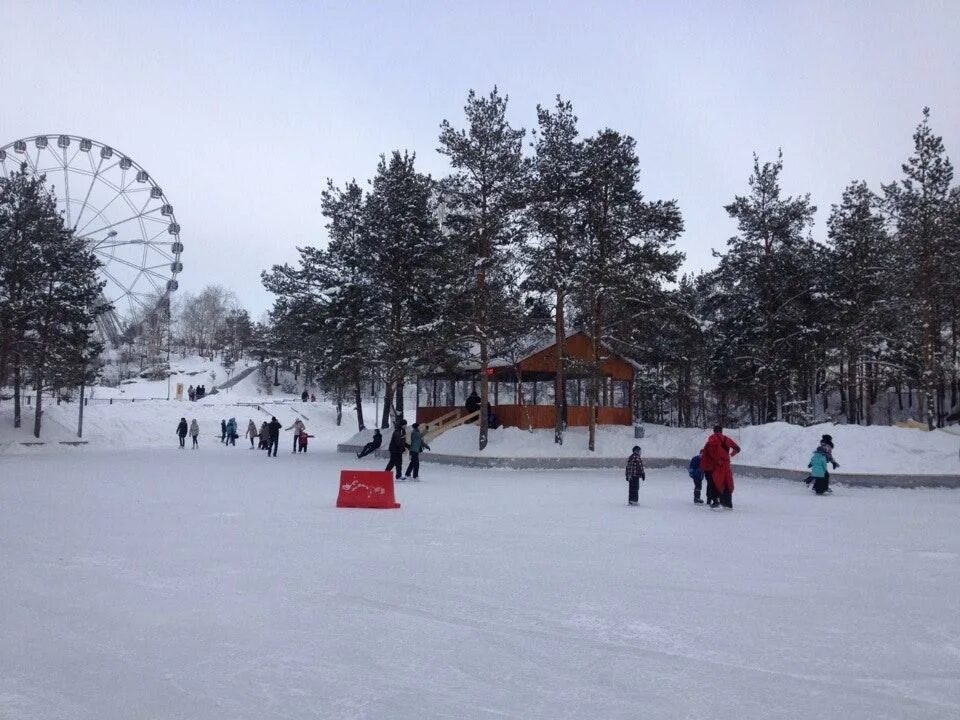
(160, 583)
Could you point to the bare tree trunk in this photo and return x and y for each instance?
(851, 387)
(398, 396)
(83, 387)
(16, 394)
(593, 388)
(559, 394)
(38, 410)
(387, 403)
(358, 399)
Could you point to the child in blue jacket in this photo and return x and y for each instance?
(818, 470)
(696, 474)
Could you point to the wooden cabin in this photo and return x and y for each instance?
(522, 391)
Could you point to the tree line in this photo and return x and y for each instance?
(550, 230)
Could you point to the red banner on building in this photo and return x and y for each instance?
(366, 489)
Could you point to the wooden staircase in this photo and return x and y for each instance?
(448, 421)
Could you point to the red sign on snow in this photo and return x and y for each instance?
(366, 489)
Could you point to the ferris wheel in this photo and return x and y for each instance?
(117, 207)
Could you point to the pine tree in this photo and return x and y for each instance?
(50, 288)
(408, 268)
(484, 199)
(921, 208)
(762, 291)
(555, 210)
(859, 289)
(626, 251)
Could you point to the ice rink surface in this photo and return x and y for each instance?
(220, 584)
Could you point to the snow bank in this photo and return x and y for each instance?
(875, 449)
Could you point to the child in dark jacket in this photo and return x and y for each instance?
(635, 474)
(696, 474)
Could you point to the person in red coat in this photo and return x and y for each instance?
(715, 459)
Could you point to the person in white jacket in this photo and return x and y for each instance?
(252, 432)
(194, 432)
(297, 427)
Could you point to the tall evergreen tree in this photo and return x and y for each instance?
(626, 253)
(761, 292)
(407, 267)
(555, 209)
(921, 212)
(484, 199)
(859, 285)
(49, 286)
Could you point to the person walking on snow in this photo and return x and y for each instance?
(252, 432)
(274, 442)
(297, 427)
(696, 474)
(191, 393)
(194, 432)
(634, 473)
(397, 445)
(715, 459)
(417, 445)
(371, 446)
(303, 439)
(223, 431)
(182, 431)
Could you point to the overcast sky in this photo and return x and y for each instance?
(242, 110)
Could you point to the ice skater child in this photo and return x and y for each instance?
(818, 471)
(825, 447)
(635, 474)
(696, 474)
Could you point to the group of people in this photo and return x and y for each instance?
(711, 464)
(196, 393)
(267, 437)
(398, 445)
(304, 396)
(183, 429)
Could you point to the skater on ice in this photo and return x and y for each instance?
(273, 437)
(182, 432)
(232, 432)
(825, 447)
(818, 470)
(715, 460)
(194, 432)
(417, 445)
(634, 473)
(398, 444)
(371, 446)
(696, 474)
(298, 428)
